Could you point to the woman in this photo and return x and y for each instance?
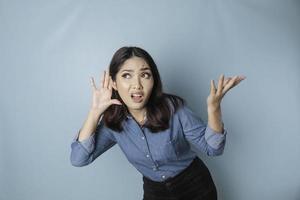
(155, 130)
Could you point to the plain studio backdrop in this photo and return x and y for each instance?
(49, 49)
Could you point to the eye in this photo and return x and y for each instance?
(148, 75)
(125, 75)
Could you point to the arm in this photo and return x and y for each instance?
(200, 134)
(215, 119)
(94, 142)
(89, 125)
(215, 97)
(91, 143)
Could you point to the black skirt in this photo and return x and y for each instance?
(193, 183)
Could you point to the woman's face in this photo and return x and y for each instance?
(134, 83)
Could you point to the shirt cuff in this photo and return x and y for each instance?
(215, 139)
(88, 143)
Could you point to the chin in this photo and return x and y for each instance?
(135, 106)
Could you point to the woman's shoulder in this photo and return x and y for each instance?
(174, 102)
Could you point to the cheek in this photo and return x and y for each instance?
(123, 88)
(122, 85)
(149, 85)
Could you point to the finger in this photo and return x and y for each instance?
(238, 80)
(110, 83)
(229, 85)
(220, 84)
(234, 81)
(102, 79)
(243, 77)
(93, 83)
(226, 81)
(212, 87)
(106, 79)
(115, 101)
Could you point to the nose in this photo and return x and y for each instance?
(137, 83)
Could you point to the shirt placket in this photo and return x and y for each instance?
(147, 151)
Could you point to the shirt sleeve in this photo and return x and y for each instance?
(86, 151)
(200, 134)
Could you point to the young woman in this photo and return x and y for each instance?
(155, 130)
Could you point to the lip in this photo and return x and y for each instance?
(139, 93)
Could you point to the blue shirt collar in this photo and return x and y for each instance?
(129, 116)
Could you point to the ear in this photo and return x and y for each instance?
(114, 85)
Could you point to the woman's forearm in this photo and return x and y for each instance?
(89, 125)
(215, 118)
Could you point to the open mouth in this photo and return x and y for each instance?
(137, 98)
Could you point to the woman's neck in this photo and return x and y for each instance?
(139, 115)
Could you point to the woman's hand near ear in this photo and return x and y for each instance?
(102, 95)
(100, 102)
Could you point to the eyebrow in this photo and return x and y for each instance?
(130, 70)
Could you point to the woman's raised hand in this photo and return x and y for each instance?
(224, 85)
(102, 95)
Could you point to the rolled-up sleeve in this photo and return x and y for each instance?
(86, 151)
(88, 144)
(200, 134)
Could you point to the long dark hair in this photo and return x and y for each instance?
(160, 105)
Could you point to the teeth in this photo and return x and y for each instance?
(136, 95)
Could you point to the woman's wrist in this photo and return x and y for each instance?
(95, 114)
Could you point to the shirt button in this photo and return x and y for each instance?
(155, 168)
(143, 138)
(147, 155)
(163, 176)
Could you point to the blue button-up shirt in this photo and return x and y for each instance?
(157, 156)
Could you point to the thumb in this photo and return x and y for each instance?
(115, 101)
(212, 87)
